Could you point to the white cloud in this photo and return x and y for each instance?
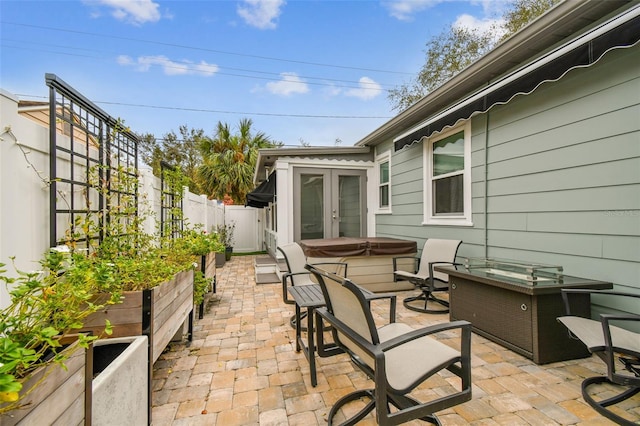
(492, 7)
(261, 13)
(331, 91)
(144, 63)
(494, 26)
(134, 11)
(290, 84)
(405, 9)
(368, 89)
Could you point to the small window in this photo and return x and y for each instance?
(448, 178)
(384, 183)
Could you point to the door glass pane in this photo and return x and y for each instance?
(349, 209)
(311, 206)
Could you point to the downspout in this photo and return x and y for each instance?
(486, 185)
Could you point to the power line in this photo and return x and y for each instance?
(192, 66)
(205, 49)
(271, 114)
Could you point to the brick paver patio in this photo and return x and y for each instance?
(242, 369)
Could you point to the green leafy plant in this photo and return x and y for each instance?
(225, 233)
(200, 287)
(201, 242)
(46, 306)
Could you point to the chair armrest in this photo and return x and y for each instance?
(379, 296)
(288, 275)
(629, 356)
(567, 291)
(416, 264)
(285, 277)
(606, 320)
(342, 264)
(465, 326)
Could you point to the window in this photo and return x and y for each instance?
(384, 183)
(448, 178)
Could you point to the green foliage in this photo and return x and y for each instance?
(200, 287)
(456, 48)
(229, 161)
(225, 233)
(523, 12)
(46, 306)
(182, 151)
(201, 242)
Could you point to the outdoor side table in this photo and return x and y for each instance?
(311, 298)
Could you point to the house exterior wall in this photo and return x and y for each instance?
(562, 181)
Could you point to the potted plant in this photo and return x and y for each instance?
(39, 339)
(225, 233)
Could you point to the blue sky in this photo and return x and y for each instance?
(302, 70)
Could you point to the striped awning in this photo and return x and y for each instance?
(583, 51)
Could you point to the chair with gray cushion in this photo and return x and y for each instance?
(297, 275)
(617, 345)
(435, 252)
(395, 356)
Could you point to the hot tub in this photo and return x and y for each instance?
(369, 259)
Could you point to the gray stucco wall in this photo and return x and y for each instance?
(563, 177)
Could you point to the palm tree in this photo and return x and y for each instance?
(229, 161)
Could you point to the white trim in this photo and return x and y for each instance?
(458, 220)
(385, 157)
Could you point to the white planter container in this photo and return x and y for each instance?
(121, 390)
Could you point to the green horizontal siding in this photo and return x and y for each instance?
(562, 180)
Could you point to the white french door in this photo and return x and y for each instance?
(329, 203)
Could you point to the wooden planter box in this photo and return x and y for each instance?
(157, 313)
(208, 265)
(59, 396)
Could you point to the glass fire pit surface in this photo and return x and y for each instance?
(521, 272)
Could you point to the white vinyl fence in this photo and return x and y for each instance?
(24, 197)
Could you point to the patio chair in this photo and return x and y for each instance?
(395, 356)
(610, 343)
(434, 252)
(297, 275)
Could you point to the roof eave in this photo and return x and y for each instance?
(566, 18)
(272, 154)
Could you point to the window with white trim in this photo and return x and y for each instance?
(448, 178)
(384, 182)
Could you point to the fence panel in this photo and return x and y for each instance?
(247, 236)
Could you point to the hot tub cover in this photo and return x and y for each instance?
(346, 246)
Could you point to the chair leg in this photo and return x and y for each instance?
(600, 406)
(424, 299)
(353, 396)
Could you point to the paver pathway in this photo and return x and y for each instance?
(242, 369)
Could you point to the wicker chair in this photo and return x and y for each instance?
(395, 356)
(434, 252)
(297, 275)
(611, 343)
